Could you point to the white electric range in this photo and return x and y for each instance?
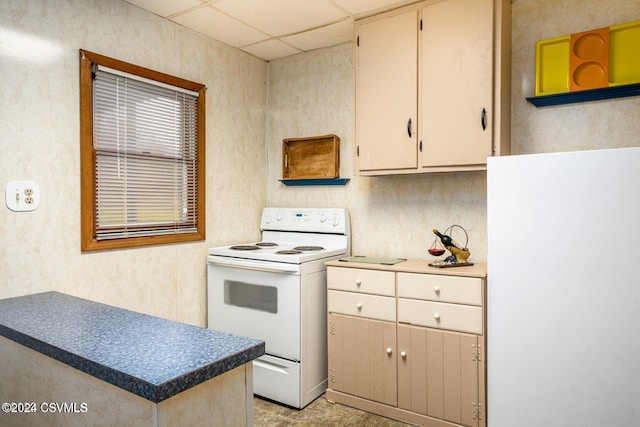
(275, 290)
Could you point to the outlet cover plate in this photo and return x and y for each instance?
(22, 196)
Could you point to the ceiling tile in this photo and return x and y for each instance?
(270, 29)
(330, 35)
(214, 24)
(270, 49)
(164, 8)
(282, 17)
(369, 7)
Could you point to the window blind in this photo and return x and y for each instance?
(145, 141)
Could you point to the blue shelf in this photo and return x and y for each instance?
(325, 181)
(586, 95)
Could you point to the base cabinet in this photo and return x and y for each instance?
(363, 362)
(408, 345)
(438, 374)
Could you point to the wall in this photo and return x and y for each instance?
(308, 94)
(312, 94)
(585, 126)
(40, 250)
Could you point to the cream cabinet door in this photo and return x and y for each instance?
(438, 374)
(362, 358)
(386, 87)
(456, 83)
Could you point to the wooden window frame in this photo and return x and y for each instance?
(88, 157)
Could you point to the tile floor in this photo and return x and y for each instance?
(318, 413)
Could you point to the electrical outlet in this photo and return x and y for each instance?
(22, 196)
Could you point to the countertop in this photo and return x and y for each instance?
(417, 266)
(149, 356)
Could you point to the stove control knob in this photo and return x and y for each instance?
(279, 216)
(268, 219)
(323, 218)
(336, 221)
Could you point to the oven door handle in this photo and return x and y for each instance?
(245, 264)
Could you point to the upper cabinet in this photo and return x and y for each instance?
(432, 87)
(386, 89)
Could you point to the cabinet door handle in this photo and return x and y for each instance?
(403, 354)
(409, 127)
(483, 119)
(389, 351)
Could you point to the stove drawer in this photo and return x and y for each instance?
(277, 379)
(362, 305)
(360, 280)
(455, 289)
(455, 317)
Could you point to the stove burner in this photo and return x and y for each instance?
(266, 244)
(308, 248)
(244, 248)
(289, 252)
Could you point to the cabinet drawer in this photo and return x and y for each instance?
(362, 305)
(359, 280)
(464, 318)
(460, 290)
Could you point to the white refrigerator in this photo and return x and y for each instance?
(563, 301)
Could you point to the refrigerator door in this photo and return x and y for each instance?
(564, 289)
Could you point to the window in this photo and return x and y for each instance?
(142, 156)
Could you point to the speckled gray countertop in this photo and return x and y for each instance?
(152, 357)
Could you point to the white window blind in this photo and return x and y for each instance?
(145, 142)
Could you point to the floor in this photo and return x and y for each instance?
(318, 413)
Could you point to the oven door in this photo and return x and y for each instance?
(256, 299)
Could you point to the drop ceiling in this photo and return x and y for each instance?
(270, 29)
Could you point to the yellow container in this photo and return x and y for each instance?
(552, 65)
(624, 54)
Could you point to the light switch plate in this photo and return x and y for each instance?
(22, 196)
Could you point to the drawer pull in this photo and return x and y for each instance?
(359, 306)
(358, 282)
(436, 289)
(403, 354)
(389, 351)
(437, 317)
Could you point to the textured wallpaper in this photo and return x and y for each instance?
(312, 94)
(585, 126)
(251, 107)
(39, 109)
